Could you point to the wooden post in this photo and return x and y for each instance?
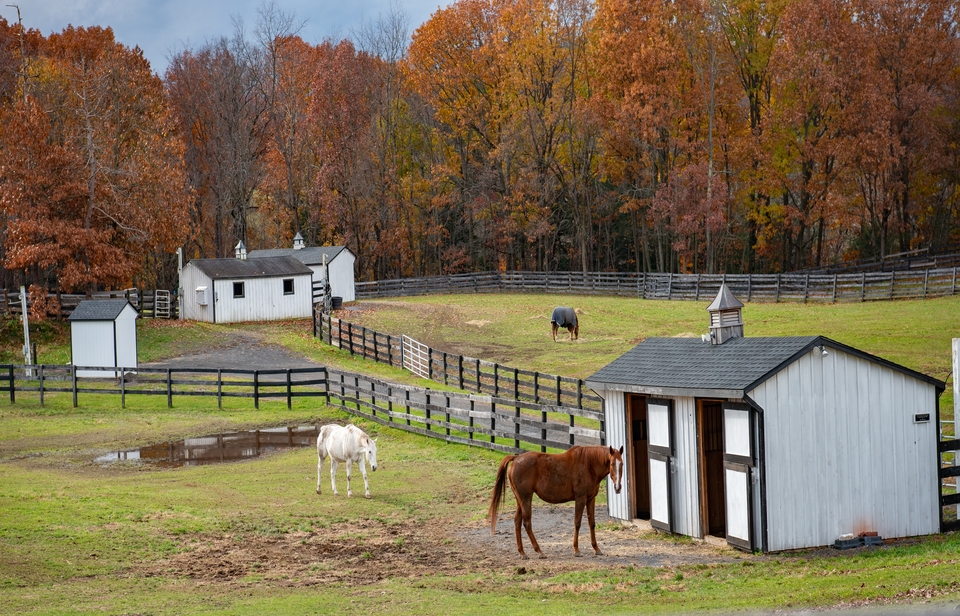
(749, 286)
(697, 296)
(13, 395)
(220, 388)
(390, 403)
(863, 278)
(579, 393)
(123, 389)
(407, 405)
(893, 277)
(460, 369)
(536, 387)
(426, 408)
(496, 380)
(543, 429)
(289, 392)
(73, 374)
(40, 373)
(373, 398)
(445, 368)
(833, 300)
(558, 391)
(256, 389)
(777, 300)
(479, 384)
(430, 363)
(926, 276)
(447, 416)
(470, 427)
(169, 389)
(516, 384)
(806, 286)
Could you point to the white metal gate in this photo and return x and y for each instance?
(161, 304)
(660, 436)
(738, 462)
(416, 357)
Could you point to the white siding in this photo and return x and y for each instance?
(686, 471)
(92, 345)
(342, 276)
(618, 505)
(263, 299)
(191, 277)
(127, 338)
(843, 454)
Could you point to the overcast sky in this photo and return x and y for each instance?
(162, 27)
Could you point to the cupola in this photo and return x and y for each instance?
(241, 250)
(297, 241)
(726, 321)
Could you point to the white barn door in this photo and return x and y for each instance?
(660, 445)
(738, 460)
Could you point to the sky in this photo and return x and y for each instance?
(163, 27)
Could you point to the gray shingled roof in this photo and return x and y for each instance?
(738, 364)
(251, 267)
(98, 309)
(310, 256)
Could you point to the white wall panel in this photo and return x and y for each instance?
(686, 471)
(843, 454)
(618, 505)
(92, 345)
(342, 276)
(126, 329)
(191, 277)
(263, 299)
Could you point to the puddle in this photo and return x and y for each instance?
(217, 448)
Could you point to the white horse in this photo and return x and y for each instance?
(345, 444)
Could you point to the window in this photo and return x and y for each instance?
(238, 289)
(288, 286)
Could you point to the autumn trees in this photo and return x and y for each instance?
(91, 181)
(640, 135)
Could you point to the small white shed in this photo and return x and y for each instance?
(252, 289)
(340, 261)
(772, 443)
(103, 333)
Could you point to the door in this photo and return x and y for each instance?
(710, 453)
(738, 464)
(660, 446)
(640, 485)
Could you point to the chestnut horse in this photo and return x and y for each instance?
(574, 475)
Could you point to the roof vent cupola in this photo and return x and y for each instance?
(298, 241)
(241, 250)
(726, 321)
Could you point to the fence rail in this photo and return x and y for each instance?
(150, 303)
(492, 422)
(467, 373)
(825, 288)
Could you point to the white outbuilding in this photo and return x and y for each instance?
(771, 443)
(339, 259)
(251, 289)
(103, 333)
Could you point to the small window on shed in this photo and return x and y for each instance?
(288, 286)
(238, 289)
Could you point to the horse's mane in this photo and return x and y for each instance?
(592, 454)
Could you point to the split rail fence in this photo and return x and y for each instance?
(492, 422)
(150, 303)
(825, 288)
(467, 373)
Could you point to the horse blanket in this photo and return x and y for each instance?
(564, 316)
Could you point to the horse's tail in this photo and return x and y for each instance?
(498, 490)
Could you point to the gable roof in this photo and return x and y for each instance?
(99, 309)
(309, 256)
(731, 369)
(251, 267)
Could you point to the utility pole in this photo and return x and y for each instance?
(27, 358)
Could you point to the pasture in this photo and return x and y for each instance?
(253, 537)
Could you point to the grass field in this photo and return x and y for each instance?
(253, 537)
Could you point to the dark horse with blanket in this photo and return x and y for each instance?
(565, 317)
(574, 475)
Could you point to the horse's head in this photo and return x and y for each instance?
(372, 452)
(615, 462)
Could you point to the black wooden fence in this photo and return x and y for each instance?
(492, 422)
(468, 373)
(826, 288)
(150, 303)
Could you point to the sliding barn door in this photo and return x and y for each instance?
(660, 446)
(738, 462)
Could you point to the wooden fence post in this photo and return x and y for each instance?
(13, 395)
(289, 392)
(169, 389)
(536, 387)
(447, 416)
(777, 300)
(460, 369)
(73, 374)
(123, 388)
(479, 384)
(833, 300)
(863, 279)
(256, 389)
(220, 388)
(445, 368)
(558, 391)
(893, 279)
(407, 405)
(390, 403)
(926, 276)
(470, 418)
(430, 363)
(40, 374)
(426, 409)
(496, 380)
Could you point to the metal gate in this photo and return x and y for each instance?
(415, 356)
(660, 434)
(161, 304)
(738, 462)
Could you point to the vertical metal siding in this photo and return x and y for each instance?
(191, 278)
(127, 338)
(843, 454)
(342, 276)
(618, 505)
(92, 343)
(686, 472)
(263, 299)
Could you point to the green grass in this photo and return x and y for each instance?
(79, 538)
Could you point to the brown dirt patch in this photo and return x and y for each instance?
(364, 552)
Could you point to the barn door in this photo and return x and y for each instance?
(738, 462)
(660, 435)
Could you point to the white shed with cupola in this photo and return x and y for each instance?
(771, 443)
(337, 262)
(103, 333)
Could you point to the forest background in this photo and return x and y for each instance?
(699, 136)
